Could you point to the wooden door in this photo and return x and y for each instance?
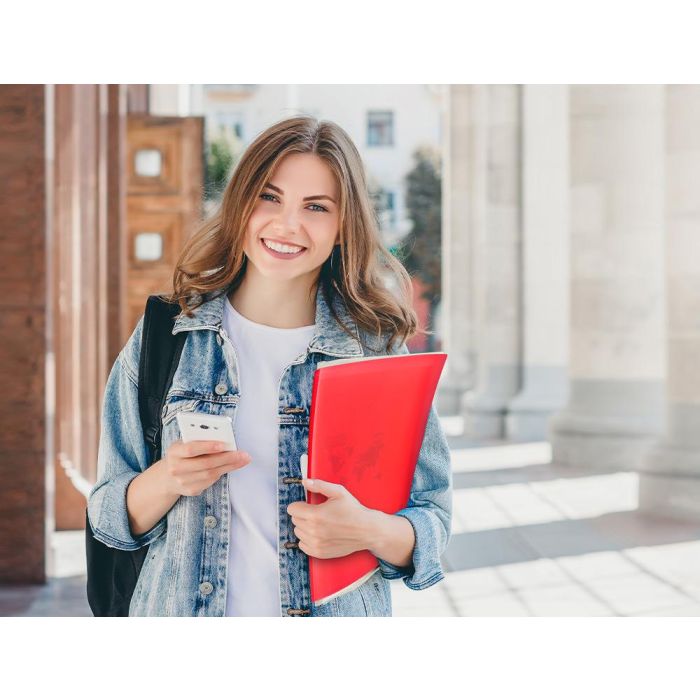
(164, 166)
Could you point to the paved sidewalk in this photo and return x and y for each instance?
(529, 538)
(535, 539)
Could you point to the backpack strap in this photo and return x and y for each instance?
(160, 355)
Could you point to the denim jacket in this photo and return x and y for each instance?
(185, 571)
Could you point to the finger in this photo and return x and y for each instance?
(230, 467)
(301, 534)
(230, 459)
(298, 520)
(301, 510)
(307, 549)
(203, 479)
(195, 448)
(326, 488)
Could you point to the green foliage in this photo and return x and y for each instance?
(377, 195)
(422, 255)
(220, 160)
(400, 251)
(421, 250)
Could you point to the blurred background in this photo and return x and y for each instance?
(552, 233)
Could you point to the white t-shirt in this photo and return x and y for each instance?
(263, 352)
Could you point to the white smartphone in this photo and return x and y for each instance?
(203, 426)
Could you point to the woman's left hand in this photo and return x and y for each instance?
(338, 526)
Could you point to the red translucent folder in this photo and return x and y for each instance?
(366, 428)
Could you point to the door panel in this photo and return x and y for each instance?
(164, 203)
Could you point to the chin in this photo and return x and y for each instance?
(274, 272)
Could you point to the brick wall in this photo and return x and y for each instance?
(22, 330)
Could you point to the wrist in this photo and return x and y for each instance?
(393, 539)
(374, 530)
(163, 482)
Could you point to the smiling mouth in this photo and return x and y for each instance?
(297, 250)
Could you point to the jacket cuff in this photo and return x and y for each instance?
(109, 518)
(426, 568)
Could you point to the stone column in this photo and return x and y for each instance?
(670, 480)
(497, 267)
(545, 262)
(460, 156)
(617, 365)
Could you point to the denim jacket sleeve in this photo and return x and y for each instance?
(122, 454)
(429, 508)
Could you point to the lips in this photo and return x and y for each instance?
(281, 256)
(276, 240)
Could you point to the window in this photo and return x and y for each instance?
(148, 162)
(229, 122)
(380, 128)
(148, 246)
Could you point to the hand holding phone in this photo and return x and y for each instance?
(192, 464)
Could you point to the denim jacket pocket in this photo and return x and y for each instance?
(176, 404)
(352, 604)
(376, 593)
(370, 599)
(170, 431)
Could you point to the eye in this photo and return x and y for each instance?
(267, 194)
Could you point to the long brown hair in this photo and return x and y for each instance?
(213, 263)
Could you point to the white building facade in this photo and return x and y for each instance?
(571, 285)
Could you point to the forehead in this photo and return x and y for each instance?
(303, 172)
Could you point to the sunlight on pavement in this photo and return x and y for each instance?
(541, 502)
(532, 538)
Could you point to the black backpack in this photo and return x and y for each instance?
(112, 573)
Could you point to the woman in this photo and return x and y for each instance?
(287, 273)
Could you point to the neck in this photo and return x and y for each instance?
(276, 303)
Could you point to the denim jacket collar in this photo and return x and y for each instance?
(330, 338)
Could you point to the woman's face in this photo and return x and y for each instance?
(297, 209)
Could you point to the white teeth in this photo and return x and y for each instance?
(281, 248)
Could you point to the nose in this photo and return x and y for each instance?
(288, 221)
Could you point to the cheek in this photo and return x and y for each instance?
(323, 233)
(256, 221)
(256, 225)
(320, 250)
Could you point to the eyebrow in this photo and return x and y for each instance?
(306, 199)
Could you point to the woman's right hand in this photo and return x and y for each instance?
(189, 468)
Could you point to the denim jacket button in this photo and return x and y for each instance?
(221, 389)
(205, 588)
(210, 521)
(298, 611)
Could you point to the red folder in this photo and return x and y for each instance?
(366, 428)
